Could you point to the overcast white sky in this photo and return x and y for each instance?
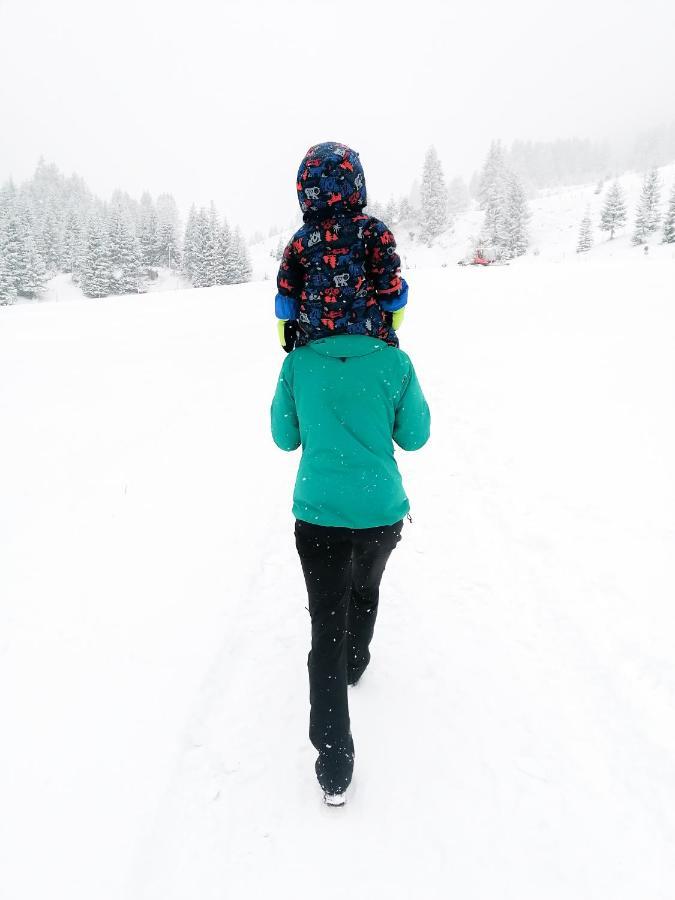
(221, 99)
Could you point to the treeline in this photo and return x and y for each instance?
(557, 163)
(53, 223)
(648, 216)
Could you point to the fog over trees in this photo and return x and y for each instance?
(55, 224)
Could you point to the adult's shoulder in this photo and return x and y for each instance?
(399, 358)
(292, 360)
(399, 367)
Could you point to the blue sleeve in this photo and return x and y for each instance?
(285, 307)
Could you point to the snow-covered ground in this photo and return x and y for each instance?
(62, 288)
(515, 735)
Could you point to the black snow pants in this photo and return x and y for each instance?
(343, 568)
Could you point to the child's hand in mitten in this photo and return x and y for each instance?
(287, 330)
(394, 319)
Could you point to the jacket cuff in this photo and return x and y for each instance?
(285, 307)
(394, 303)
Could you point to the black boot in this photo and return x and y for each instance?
(334, 766)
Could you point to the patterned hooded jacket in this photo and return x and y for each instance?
(340, 272)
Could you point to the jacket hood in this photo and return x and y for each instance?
(342, 346)
(330, 181)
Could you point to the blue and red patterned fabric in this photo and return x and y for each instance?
(340, 272)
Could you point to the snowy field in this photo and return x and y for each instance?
(515, 734)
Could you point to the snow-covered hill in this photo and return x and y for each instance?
(515, 735)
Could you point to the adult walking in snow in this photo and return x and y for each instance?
(345, 399)
(345, 394)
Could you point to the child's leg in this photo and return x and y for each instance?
(372, 548)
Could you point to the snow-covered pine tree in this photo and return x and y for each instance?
(7, 198)
(221, 248)
(78, 199)
(129, 206)
(669, 222)
(40, 196)
(240, 258)
(147, 231)
(7, 282)
(7, 288)
(405, 210)
(434, 197)
(168, 245)
(648, 216)
(224, 268)
(246, 264)
(512, 236)
(501, 195)
(654, 218)
(73, 238)
(168, 232)
(490, 181)
(126, 271)
(585, 241)
(188, 243)
(50, 243)
(22, 264)
(200, 250)
(214, 261)
(613, 214)
(96, 271)
(33, 285)
(279, 251)
(229, 251)
(391, 213)
(46, 187)
(492, 235)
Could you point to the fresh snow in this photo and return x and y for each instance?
(62, 288)
(515, 734)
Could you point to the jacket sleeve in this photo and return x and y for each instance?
(384, 266)
(290, 282)
(284, 416)
(412, 419)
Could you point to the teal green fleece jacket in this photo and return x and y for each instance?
(346, 399)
